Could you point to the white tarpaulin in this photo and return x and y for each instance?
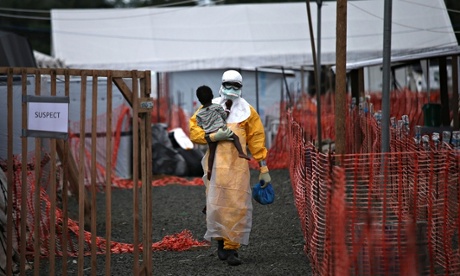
(45, 61)
(242, 36)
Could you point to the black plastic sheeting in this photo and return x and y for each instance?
(169, 158)
(15, 51)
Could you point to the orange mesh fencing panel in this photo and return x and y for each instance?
(177, 242)
(310, 196)
(121, 126)
(394, 213)
(363, 138)
(278, 154)
(375, 214)
(169, 113)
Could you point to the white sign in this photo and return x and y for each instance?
(52, 117)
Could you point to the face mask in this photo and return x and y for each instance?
(230, 93)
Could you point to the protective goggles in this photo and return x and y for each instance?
(231, 85)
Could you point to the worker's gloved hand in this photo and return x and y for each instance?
(221, 134)
(265, 176)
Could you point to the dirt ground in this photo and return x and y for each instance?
(275, 247)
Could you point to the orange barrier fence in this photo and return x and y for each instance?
(396, 212)
(362, 139)
(177, 242)
(402, 102)
(121, 127)
(372, 213)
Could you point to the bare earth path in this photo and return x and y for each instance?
(276, 242)
(275, 247)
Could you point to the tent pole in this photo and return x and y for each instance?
(443, 83)
(302, 81)
(455, 90)
(386, 78)
(287, 86)
(158, 96)
(318, 74)
(313, 51)
(428, 84)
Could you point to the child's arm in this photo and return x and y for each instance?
(223, 113)
(228, 106)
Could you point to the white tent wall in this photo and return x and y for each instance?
(404, 75)
(249, 36)
(270, 86)
(17, 116)
(242, 36)
(123, 167)
(373, 78)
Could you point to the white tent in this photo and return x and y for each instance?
(244, 35)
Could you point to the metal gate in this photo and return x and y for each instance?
(41, 164)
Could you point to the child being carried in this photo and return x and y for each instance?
(211, 117)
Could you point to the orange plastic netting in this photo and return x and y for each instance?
(394, 213)
(120, 126)
(177, 242)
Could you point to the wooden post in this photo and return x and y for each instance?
(37, 241)
(10, 176)
(146, 164)
(341, 77)
(65, 180)
(93, 169)
(23, 232)
(81, 182)
(52, 221)
(135, 122)
(108, 179)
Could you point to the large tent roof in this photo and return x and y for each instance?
(243, 35)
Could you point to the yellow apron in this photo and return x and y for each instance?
(229, 198)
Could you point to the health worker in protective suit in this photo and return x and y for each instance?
(228, 192)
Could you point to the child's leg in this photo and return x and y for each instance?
(236, 142)
(212, 153)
